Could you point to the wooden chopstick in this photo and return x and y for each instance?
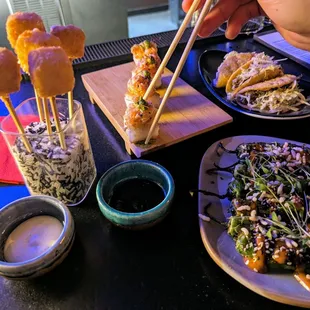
(172, 47)
(190, 43)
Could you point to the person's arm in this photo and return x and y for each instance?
(289, 17)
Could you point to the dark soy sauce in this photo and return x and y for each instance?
(136, 195)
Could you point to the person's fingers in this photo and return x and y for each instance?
(297, 40)
(186, 4)
(241, 16)
(219, 14)
(292, 15)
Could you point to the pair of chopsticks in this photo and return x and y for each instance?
(205, 10)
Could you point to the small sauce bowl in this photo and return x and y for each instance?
(133, 169)
(21, 210)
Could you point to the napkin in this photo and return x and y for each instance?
(9, 172)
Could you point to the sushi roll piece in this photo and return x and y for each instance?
(51, 71)
(19, 22)
(150, 63)
(30, 40)
(72, 40)
(137, 87)
(145, 48)
(138, 120)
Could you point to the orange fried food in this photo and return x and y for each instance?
(72, 40)
(10, 76)
(17, 23)
(232, 62)
(51, 71)
(30, 40)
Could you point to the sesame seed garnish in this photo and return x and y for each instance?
(275, 256)
(289, 263)
(247, 262)
(308, 276)
(294, 243)
(242, 208)
(288, 243)
(255, 270)
(245, 231)
(204, 218)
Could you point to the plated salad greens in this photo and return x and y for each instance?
(270, 216)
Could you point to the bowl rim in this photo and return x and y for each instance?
(168, 196)
(67, 223)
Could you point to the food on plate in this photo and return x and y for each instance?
(232, 62)
(18, 22)
(279, 95)
(72, 40)
(138, 119)
(30, 40)
(143, 49)
(150, 63)
(10, 76)
(51, 71)
(137, 87)
(260, 68)
(270, 215)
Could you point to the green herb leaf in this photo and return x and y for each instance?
(274, 217)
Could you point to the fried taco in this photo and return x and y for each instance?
(275, 96)
(232, 62)
(259, 69)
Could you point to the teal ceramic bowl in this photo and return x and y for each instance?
(141, 169)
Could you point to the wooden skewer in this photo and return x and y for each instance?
(39, 106)
(172, 47)
(9, 106)
(71, 104)
(47, 117)
(190, 43)
(70, 99)
(57, 123)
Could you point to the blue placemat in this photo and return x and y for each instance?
(10, 193)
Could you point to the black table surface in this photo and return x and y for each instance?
(166, 267)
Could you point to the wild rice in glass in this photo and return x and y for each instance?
(66, 174)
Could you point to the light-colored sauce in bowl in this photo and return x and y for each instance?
(32, 238)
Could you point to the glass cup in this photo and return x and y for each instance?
(65, 173)
(253, 26)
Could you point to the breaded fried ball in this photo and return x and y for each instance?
(10, 76)
(18, 22)
(51, 71)
(30, 40)
(72, 40)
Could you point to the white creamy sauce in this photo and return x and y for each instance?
(32, 238)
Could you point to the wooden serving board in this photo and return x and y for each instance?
(187, 113)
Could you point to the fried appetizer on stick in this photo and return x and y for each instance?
(17, 23)
(30, 40)
(72, 40)
(51, 71)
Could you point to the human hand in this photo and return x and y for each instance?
(289, 17)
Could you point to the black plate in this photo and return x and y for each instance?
(209, 62)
